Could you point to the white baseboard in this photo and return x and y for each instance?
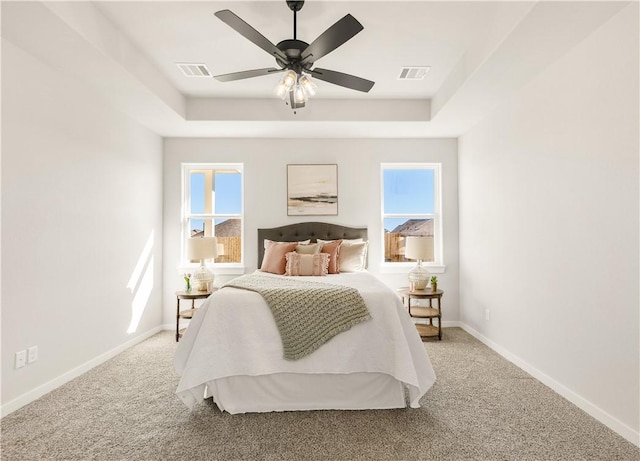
(605, 418)
(49, 386)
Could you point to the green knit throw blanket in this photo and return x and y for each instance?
(307, 314)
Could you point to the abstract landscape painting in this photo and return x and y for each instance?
(312, 190)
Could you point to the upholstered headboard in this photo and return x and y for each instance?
(307, 230)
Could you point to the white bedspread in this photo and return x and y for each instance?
(234, 333)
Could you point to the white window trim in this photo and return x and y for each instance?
(437, 266)
(185, 232)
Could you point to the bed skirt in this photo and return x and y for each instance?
(291, 391)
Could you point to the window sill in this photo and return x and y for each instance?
(403, 268)
(217, 269)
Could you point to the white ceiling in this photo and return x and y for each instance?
(480, 53)
(395, 34)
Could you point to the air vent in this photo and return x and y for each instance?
(413, 73)
(190, 69)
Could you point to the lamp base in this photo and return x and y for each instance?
(203, 278)
(418, 277)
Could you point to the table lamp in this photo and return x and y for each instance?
(420, 248)
(202, 248)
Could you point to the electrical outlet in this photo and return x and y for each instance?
(32, 355)
(487, 314)
(21, 358)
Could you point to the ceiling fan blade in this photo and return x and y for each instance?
(332, 38)
(346, 80)
(248, 32)
(247, 74)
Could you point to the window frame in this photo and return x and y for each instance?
(437, 265)
(186, 215)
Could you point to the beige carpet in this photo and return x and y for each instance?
(481, 408)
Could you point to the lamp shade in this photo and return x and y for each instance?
(200, 248)
(420, 248)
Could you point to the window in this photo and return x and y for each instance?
(212, 207)
(411, 207)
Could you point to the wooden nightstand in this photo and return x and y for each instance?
(431, 312)
(188, 314)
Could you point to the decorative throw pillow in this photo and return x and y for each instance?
(353, 256)
(358, 240)
(333, 250)
(301, 242)
(308, 249)
(307, 264)
(274, 256)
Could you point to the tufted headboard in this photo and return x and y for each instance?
(307, 230)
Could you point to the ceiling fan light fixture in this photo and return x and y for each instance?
(295, 104)
(281, 90)
(308, 86)
(299, 95)
(289, 79)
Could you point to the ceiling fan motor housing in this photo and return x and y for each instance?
(293, 49)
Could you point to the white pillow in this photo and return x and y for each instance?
(353, 257)
(343, 241)
(308, 249)
(353, 254)
(267, 242)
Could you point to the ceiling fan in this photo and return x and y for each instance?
(297, 58)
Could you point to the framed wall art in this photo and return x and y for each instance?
(312, 190)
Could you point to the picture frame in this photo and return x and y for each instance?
(312, 189)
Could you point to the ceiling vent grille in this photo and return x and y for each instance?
(190, 69)
(413, 73)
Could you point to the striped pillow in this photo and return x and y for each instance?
(301, 264)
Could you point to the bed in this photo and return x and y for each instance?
(232, 350)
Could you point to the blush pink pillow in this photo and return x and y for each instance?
(307, 264)
(333, 248)
(274, 256)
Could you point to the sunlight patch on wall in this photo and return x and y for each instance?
(141, 284)
(141, 297)
(142, 260)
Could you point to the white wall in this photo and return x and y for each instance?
(265, 203)
(549, 225)
(81, 196)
